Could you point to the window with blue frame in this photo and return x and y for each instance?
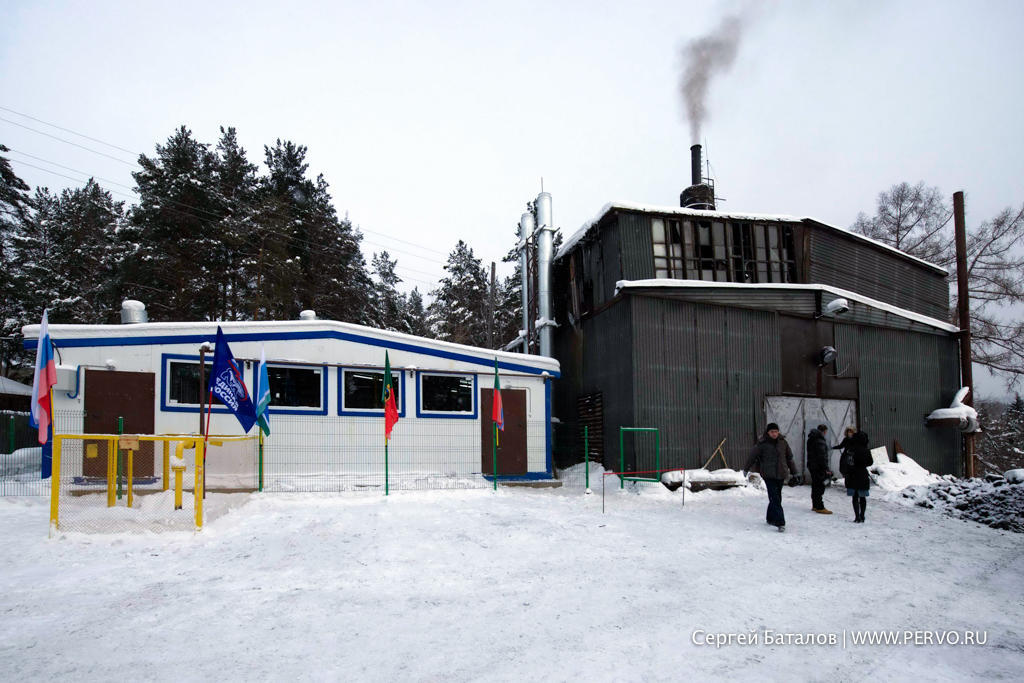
(296, 387)
(183, 382)
(446, 394)
(362, 388)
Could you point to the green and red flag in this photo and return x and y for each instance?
(498, 411)
(387, 397)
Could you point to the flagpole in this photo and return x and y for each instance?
(494, 449)
(385, 465)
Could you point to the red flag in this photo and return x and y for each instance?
(388, 399)
(44, 379)
(498, 411)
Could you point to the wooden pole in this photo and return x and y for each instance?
(964, 311)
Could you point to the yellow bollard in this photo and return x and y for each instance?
(111, 471)
(167, 465)
(200, 466)
(55, 481)
(131, 491)
(178, 471)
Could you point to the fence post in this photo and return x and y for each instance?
(586, 455)
(55, 484)
(120, 430)
(10, 435)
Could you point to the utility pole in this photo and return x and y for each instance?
(964, 309)
(490, 318)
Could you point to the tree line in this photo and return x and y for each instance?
(918, 220)
(212, 236)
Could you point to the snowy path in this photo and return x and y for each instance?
(521, 585)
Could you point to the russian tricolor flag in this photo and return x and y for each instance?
(45, 378)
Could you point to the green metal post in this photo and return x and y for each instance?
(10, 435)
(494, 452)
(586, 455)
(120, 430)
(261, 460)
(622, 462)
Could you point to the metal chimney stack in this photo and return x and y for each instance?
(701, 193)
(545, 254)
(526, 226)
(696, 175)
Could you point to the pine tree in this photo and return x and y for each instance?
(388, 303)
(238, 255)
(66, 251)
(459, 310)
(310, 259)
(175, 267)
(14, 204)
(415, 314)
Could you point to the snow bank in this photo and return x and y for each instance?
(896, 476)
(722, 476)
(993, 501)
(21, 461)
(1014, 476)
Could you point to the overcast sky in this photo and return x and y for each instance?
(436, 121)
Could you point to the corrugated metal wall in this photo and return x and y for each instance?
(701, 375)
(637, 246)
(903, 377)
(845, 263)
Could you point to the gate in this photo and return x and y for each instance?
(797, 415)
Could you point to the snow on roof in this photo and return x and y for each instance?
(846, 294)
(9, 386)
(735, 215)
(165, 329)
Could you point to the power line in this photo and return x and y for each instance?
(246, 238)
(74, 144)
(67, 130)
(135, 164)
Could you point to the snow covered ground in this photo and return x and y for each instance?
(518, 585)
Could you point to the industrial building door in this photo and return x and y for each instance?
(111, 394)
(511, 441)
(796, 416)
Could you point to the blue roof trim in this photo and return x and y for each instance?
(529, 476)
(268, 336)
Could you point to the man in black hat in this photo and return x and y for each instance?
(773, 459)
(817, 465)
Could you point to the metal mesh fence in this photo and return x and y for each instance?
(318, 454)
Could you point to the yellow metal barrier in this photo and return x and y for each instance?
(131, 444)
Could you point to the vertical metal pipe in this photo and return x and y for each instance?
(526, 226)
(696, 176)
(545, 252)
(964, 310)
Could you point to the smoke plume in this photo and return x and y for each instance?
(703, 58)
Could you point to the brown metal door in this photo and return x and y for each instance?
(512, 440)
(112, 394)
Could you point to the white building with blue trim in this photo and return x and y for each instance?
(325, 415)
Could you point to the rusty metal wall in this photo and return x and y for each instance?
(848, 264)
(903, 377)
(701, 375)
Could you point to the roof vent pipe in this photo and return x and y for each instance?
(526, 226)
(133, 312)
(307, 315)
(545, 253)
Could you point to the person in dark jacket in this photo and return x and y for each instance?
(773, 459)
(817, 465)
(858, 481)
(847, 441)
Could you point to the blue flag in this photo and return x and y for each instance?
(262, 393)
(227, 385)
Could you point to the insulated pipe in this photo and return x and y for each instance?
(545, 252)
(526, 225)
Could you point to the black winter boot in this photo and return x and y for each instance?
(863, 508)
(856, 508)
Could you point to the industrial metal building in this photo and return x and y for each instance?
(707, 325)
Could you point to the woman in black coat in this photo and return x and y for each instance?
(858, 481)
